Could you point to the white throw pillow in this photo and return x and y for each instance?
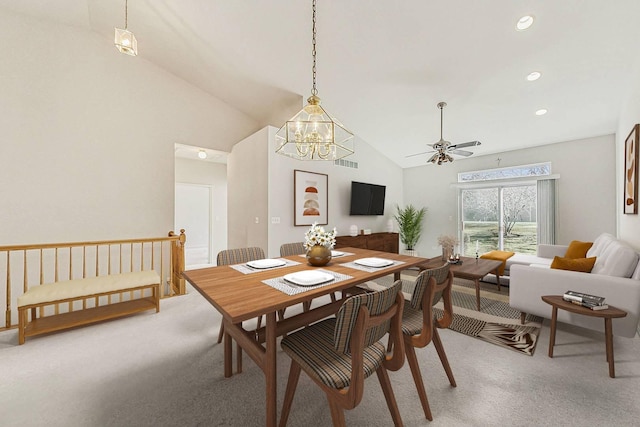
(600, 244)
(617, 259)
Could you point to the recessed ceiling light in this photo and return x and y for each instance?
(524, 22)
(202, 154)
(541, 112)
(535, 75)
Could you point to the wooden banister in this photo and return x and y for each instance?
(47, 263)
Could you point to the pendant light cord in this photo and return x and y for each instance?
(314, 91)
(126, 8)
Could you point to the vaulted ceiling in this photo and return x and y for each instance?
(384, 65)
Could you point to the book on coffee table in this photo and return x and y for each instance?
(587, 304)
(580, 297)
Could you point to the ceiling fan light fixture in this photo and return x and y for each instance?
(313, 134)
(443, 149)
(524, 23)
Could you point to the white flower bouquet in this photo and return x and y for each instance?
(317, 235)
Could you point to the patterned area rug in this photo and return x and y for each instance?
(496, 322)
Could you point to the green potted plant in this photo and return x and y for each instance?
(410, 226)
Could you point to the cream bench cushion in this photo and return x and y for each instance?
(78, 288)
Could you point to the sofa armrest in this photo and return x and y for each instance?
(528, 284)
(550, 251)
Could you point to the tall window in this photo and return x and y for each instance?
(499, 218)
(499, 209)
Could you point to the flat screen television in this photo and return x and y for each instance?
(367, 199)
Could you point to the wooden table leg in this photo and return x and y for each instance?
(477, 282)
(270, 372)
(608, 330)
(498, 278)
(552, 335)
(228, 368)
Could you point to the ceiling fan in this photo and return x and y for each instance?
(443, 150)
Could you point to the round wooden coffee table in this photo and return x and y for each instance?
(607, 314)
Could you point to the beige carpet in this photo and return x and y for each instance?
(165, 369)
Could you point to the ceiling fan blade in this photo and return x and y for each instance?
(464, 153)
(466, 144)
(419, 154)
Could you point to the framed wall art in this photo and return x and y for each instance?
(631, 171)
(310, 198)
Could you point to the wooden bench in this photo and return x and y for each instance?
(91, 289)
(55, 286)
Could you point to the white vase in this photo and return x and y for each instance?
(390, 226)
(353, 230)
(411, 252)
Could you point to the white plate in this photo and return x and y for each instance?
(308, 278)
(266, 263)
(337, 253)
(374, 262)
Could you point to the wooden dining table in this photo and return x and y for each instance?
(241, 296)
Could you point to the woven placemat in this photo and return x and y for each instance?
(292, 289)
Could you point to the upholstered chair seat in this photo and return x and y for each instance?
(312, 349)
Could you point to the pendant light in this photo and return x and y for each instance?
(124, 39)
(313, 134)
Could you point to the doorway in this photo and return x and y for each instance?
(193, 213)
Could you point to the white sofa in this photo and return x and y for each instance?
(615, 275)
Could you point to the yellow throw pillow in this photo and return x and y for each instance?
(578, 249)
(584, 265)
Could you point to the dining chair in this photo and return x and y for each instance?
(340, 352)
(238, 256)
(420, 327)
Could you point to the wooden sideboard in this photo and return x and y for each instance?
(387, 242)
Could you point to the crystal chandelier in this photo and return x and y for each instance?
(124, 39)
(313, 134)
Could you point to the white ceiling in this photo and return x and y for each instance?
(192, 153)
(384, 65)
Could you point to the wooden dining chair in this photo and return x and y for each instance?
(340, 352)
(231, 257)
(420, 327)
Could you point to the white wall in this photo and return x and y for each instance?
(214, 175)
(628, 225)
(586, 188)
(248, 195)
(89, 133)
(373, 168)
